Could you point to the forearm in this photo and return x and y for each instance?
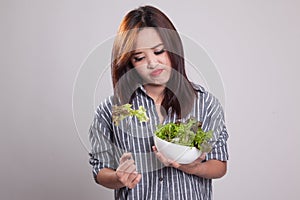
(108, 178)
(211, 169)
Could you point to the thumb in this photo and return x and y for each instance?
(202, 157)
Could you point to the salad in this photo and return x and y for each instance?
(189, 134)
(121, 112)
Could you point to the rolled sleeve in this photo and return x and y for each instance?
(219, 151)
(217, 124)
(103, 152)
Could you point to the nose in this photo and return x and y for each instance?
(151, 62)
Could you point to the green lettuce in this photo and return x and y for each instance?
(121, 112)
(189, 134)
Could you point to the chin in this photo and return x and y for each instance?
(157, 83)
(154, 84)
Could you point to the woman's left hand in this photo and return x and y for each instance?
(191, 168)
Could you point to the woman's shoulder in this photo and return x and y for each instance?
(105, 105)
(198, 87)
(204, 94)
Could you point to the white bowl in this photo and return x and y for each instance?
(179, 153)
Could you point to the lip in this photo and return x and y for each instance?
(156, 72)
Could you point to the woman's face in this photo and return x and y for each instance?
(150, 58)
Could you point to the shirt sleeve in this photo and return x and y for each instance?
(217, 124)
(104, 153)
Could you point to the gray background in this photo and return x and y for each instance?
(254, 44)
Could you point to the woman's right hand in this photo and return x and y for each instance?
(126, 172)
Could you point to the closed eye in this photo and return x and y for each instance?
(159, 52)
(137, 59)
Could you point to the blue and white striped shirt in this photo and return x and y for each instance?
(109, 142)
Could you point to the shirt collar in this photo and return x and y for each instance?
(195, 86)
(141, 88)
(198, 87)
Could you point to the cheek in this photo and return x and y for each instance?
(141, 71)
(167, 61)
(169, 71)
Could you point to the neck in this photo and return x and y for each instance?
(156, 92)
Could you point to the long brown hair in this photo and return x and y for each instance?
(179, 93)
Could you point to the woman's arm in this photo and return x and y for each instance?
(108, 178)
(209, 169)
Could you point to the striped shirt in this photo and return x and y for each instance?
(109, 142)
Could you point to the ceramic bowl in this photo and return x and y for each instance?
(179, 153)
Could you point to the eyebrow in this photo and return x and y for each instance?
(160, 44)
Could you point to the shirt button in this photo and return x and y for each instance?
(161, 179)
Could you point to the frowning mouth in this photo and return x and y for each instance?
(156, 72)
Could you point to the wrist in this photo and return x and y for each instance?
(108, 178)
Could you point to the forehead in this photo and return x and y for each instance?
(147, 38)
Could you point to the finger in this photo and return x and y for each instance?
(119, 174)
(132, 176)
(124, 175)
(130, 169)
(125, 156)
(125, 165)
(154, 148)
(135, 181)
(174, 164)
(162, 158)
(203, 156)
(128, 178)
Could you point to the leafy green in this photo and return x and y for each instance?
(121, 112)
(189, 134)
